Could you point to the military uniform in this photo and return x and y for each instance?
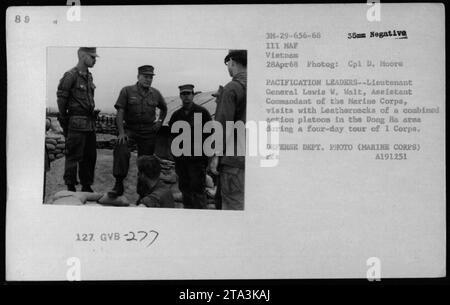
(160, 196)
(231, 107)
(139, 107)
(77, 117)
(191, 170)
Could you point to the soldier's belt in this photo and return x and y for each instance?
(139, 125)
(81, 123)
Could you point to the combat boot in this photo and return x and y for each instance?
(118, 188)
(71, 187)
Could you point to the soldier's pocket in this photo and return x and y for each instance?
(80, 92)
(134, 106)
(234, 181)
(80, 123)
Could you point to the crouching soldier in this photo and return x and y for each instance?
(153, 192)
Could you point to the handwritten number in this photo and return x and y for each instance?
(132, 238)
(144, 235)
(156, 235)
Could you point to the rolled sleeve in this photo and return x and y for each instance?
(63, 92)
(161, 102)
(162, 106)
(65, 84)
(226, 107)
(206, 116)
(122, 100)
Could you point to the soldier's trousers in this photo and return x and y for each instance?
(232, 187)
(191, 182)
(145, 142)
(81, 155)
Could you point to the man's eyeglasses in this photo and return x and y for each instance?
(185, 93)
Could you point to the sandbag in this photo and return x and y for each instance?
(68, 197)
(211, 192)
(52, 136)
(50, 146)
(178, 196)
(209, 181)
(70, 200)
(120, 201)
(82, 196)
(51, 141)
(168, 177)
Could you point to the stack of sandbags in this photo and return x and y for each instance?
(166, 164)
(56, 145)
(106, 125)
(55, 127)
(169, 177)
(106, 144)
(168, 174)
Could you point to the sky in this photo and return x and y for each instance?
(117, 67)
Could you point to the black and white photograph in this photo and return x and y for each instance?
(109, 127)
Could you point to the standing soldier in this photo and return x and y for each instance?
(231, 107)
(191, 170)
(136, 106)
(77, 118)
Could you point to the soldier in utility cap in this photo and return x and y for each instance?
(90, 51)
(77, 115)
(191, 168)
(231, 107)
(238, 56)
(136, 123)
(146, 70)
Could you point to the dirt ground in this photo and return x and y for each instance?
(104, 180)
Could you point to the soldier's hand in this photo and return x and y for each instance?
(122, 139)
(48, 124)
(213, 165)
(64, 131)
(95, 113)
(157, 125)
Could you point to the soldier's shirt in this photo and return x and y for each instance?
(160, 196)
(231, 107)
(189, 117)
(76, 93)
(139, 105)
